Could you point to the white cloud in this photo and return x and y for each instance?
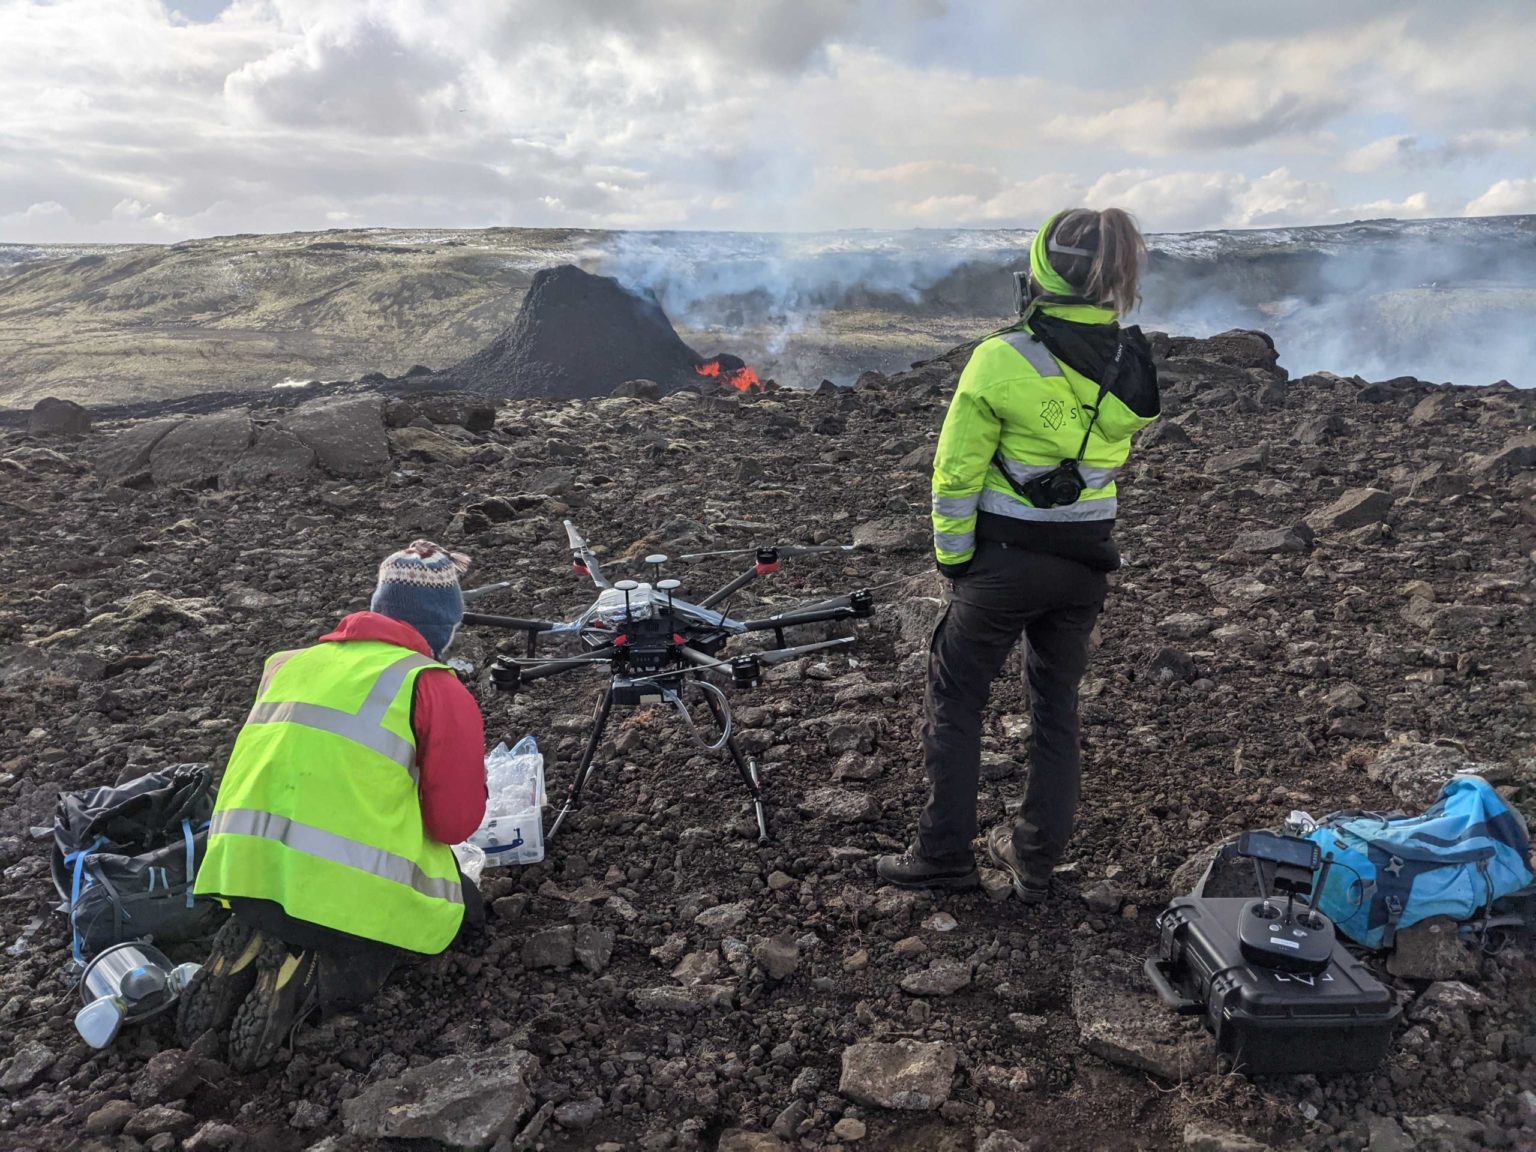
(1505, 198)
(287, 114)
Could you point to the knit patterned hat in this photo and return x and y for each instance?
(420, 585)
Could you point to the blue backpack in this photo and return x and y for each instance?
(1467, 850)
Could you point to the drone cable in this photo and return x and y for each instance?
(674, 697)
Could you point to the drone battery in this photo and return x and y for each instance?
(1268, 1022)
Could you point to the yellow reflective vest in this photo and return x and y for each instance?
(319, 808)
(1016, 402)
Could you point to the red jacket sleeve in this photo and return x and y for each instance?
(450, 756)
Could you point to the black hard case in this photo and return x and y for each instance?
(1269, 1023)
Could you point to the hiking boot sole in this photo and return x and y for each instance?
(211, 998)
(284, 995)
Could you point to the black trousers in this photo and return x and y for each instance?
(352, 969)
(1053, 602)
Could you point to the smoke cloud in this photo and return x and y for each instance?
(1442, 300)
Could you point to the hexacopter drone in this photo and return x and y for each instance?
(658, 647)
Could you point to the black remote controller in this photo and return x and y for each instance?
(1285, 936)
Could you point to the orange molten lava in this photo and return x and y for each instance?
(742, 379)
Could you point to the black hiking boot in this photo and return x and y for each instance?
(216, 990)
(1029, 887)
(285, 993)
(909, 870)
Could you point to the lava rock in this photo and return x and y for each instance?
(1431, 950)
(941, 978)
(51, 416)
(277, 455)
(904, 1074)
(158, 1118)
(1118, 1021)
(685, 1001)
(1170, 665)
(842, 805)
(740, 1140)
(551, 948)
(197, 451)
(26, 1067)
(578, 1114)
(466, 1101)
(1355, 509)
(1202, 1137)
(110, 1119)
(1269, 541)
(594, 947)
(722, 917)
(346, 434)
(778, 957)
(125, 457)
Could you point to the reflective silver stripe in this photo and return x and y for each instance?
(365, 726)
(323, 845)
(273, 665)
(960, 506)
(1039, 357)
(954, 542)
(1093, 477)
(1002, 504)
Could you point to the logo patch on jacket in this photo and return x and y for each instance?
(1053, 414)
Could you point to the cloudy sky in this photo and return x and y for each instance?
(150, 120)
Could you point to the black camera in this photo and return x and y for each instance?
(1061, 485)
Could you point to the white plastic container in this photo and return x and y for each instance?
(513, 829)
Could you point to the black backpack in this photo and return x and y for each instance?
(125, 858)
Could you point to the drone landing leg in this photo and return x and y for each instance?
(748, 769)
(584, 769)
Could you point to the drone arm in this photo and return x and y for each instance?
(732, 588)
(818, 614)
(515, 623)
(485, 590)
(780, 655)
(549, 668)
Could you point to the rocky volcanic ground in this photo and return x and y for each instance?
(1326, 604)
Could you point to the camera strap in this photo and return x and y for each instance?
(1110, 372)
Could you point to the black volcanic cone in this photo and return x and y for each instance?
(578, 335)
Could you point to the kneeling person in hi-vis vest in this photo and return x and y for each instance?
(1024, 502)
(362, 760)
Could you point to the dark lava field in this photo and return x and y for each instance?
(1326, 604)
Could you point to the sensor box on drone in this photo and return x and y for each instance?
(1266, 1021)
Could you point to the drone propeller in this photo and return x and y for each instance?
(577, 543)
(471, 594)
(785, 551)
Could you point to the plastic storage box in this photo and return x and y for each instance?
(1269, 1023)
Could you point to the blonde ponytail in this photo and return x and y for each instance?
(1110, 277)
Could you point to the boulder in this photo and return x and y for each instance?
(842, 805)
(1119, 1021)
(463, 1101)
(54, 417)
(1237, 347)
(422, 444)
(1512, 457)
(551, 948)
(684, 1001)
(346, 434)
(1355, 509)
(1268, 541)
(198, 451)
(639, 389)
(904, 1074)
(1431, 950)
(1249, 459)
(941, 978)
(1416, 772)
(276, 456)
(1317, 429)
(125, 457)
(26, 1067)
(740, 1140)
(1163, 432)
(471, 413)
(1203, 1137)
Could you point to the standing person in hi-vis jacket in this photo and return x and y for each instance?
(1024, 504)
